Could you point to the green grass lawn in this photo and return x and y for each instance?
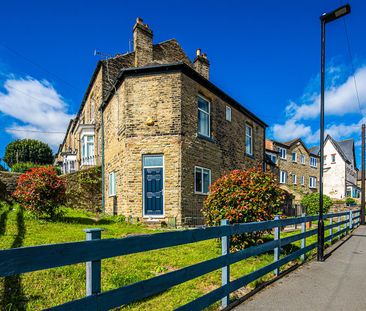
(42, 289)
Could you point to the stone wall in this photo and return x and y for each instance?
(84, 189)
(224, 151)
(158, 114)
(8, 183)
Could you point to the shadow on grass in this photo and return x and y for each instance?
(13, 297)
(3, 219)
(85, 221)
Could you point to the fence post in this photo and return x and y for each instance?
(225, 271)
(339, 226)
(350, 220)
(303, 240)
(331, 229)
(277, 249)
(93, 268)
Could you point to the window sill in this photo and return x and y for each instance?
(210, 139)
(201, 193)
(249, 156)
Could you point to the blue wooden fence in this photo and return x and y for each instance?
(94, 249)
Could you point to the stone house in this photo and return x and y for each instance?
(340, 170)
(162, 131)
(296, 166)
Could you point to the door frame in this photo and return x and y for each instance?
(143, 184)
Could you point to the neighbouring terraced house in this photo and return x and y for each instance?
(297, 168)
(162, 131)
(340, 169)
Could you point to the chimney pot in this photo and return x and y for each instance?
(142, 42)
(201, 64)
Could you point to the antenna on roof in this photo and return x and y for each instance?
(101, 54)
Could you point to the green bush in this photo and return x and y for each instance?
(28, 150)
(244, 196)
(351, 201)
(41, 191)
(22, 167)
(311, 203)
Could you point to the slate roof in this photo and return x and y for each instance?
(163, 53)
(314, 150)
(346, 149)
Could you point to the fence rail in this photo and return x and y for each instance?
(94, 249)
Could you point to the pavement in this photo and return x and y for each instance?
(339, 283)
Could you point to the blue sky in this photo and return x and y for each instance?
(265, 54)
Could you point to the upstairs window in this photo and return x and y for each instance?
(312, 182)
(294, 179)
(302, 180)
(202, 180)
(283, 177)
(313, 162)
(228, 113)
(283, 153)
(294, 157)
(248, 139)
(333, 158)
(302, 159)
(273, 158)
(203, 117)
(88, 146)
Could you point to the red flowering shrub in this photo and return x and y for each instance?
(244, 196)
(41, 191)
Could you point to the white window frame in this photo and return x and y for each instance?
(302, 158)
(294, 179)
(292, 156)
(228, 113)
(209, 117)
(250, 137)
(283, 153)
(86, 158)
(312, 160)
(112, 184)
(283, 178)
(302, 180)
(209, 177)
(312, 182)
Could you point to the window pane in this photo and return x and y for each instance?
(228, 113)
(153, 160)
(206, 180)
(203, 104)
(203, 123)
(198, 179)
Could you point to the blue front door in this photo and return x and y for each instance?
(153, 173)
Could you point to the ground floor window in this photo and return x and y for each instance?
(202, 180)
(283, 177)
(294, 179)
(112, 184)
(312, 182)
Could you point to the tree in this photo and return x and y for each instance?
(28, 150)
(244, 196)
(311, 203)
(41, 191)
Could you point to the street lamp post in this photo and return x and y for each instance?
(324, 19)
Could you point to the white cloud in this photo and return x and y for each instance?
(340, 100)
(38, 108)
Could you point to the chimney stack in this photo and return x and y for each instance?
(142, 43)
(201, 64)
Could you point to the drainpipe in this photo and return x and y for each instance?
(103, 173)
